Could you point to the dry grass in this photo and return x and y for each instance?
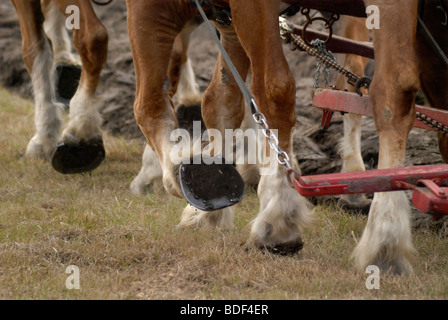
(128, 247)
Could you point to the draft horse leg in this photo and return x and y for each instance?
(283, 213)
(350, 144)
(222, 108)
(38, 58)
(66, 64)
(153, 108)
(83, 129)
(386, 240)
(184, 90)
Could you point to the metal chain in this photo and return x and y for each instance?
(289, 37)
(282, 156)
(321, 68)
(440, 127)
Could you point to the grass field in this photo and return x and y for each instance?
(128, 246)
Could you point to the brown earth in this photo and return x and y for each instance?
(315, 149)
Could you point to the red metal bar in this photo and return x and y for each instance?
(425, 182)
(371, 181)
(428, 202)
(342, 101)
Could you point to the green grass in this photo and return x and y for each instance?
(128, 246)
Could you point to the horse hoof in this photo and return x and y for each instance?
(78, 158)
(67, 80)
(285, 249)
(356, 206)
(210, 186)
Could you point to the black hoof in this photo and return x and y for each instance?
(73, 159)
(355, 207)
(67, 80)
(285, 249)
(210, 187)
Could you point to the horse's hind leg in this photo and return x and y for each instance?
(386, 240)
(223, 108)
(67, 65)
(37, 56)
(350, 144)
(184, 90)
(183, 86)
(83, 146)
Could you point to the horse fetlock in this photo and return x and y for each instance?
(386, 240)
(39, 148)
(277, 237)
(263, 237)
(193, 217)
(140, 185)
(171, 180)
(396, 264)
(82, 129)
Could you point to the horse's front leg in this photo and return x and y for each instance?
(283, 213)
(386, 240)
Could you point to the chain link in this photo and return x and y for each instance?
(282, 156)
(321, 68)
(440, 127)
(289, 37)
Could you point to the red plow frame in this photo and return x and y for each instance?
(428, 183)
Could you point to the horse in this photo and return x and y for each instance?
(153, 26)
(55, 72)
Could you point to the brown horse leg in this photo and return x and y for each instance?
(38, 59)
(283, 213)
(91, 41)
(185, 92)
(386, 240)
(350, 144)
(66, 64)
(183, 86)
(223, 108)
(153, 107)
